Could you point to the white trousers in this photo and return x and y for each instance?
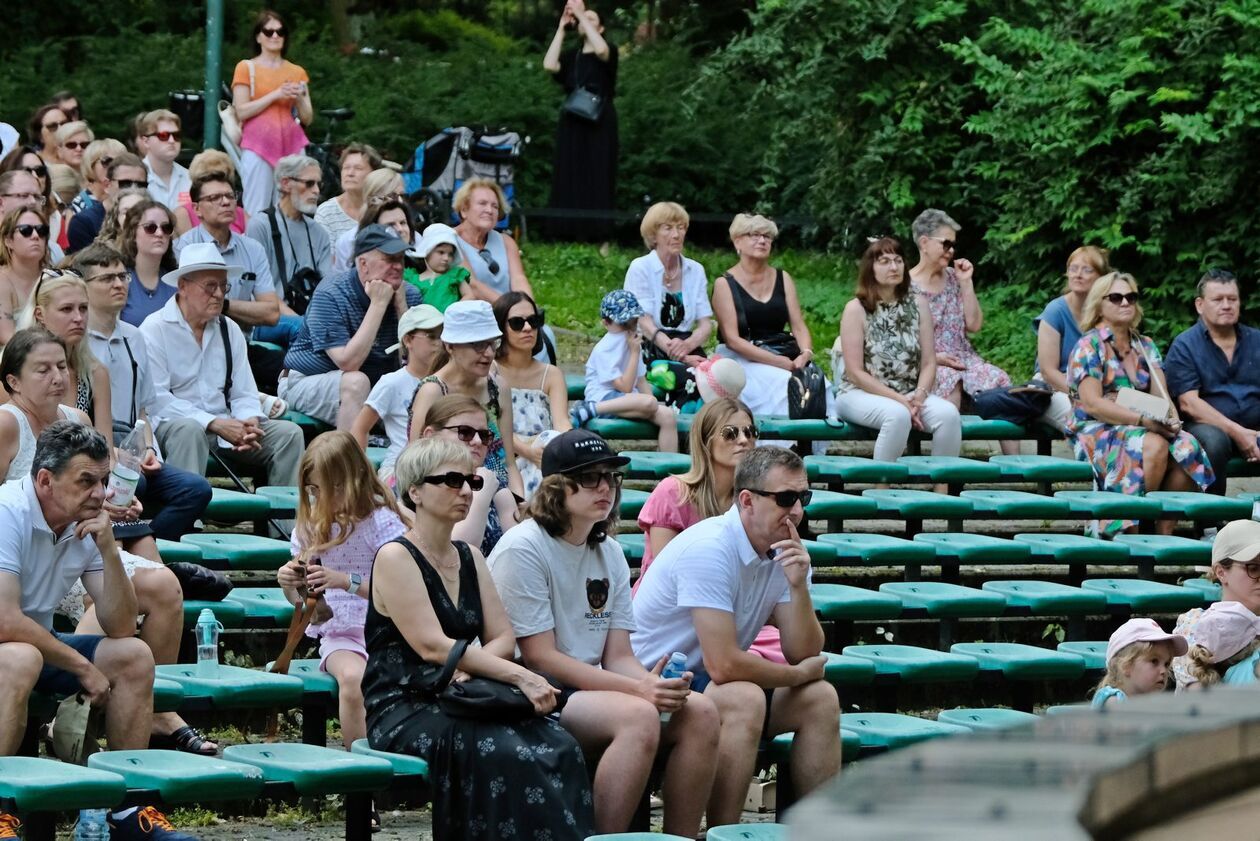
(892, 420)
(258, 185)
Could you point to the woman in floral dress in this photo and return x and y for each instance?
(1130, 452)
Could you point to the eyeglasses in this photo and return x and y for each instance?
(592, 479)
(456, 480)
(35, 199)
(766, 237)
(1127, 298)
(151, 228)
(785, 499)
(210, 287)
(730, 432)
(482, 347)
(308, 183)
(1250, 567)
(53, 126)
(889, 260)
(431, 335)
(468, 433)
(491, 264)
(518, 322)
(77, 145)
(40, 171)
(108, 278)
(221, 198)
(129, 184)
(274, 31)
(29, 231)
(166, 135)
(946, 244)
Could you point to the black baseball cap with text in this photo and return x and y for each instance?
(577, 449)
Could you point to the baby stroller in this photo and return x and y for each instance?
(445, 161)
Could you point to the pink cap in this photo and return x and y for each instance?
(1143, 630)
(1225, 629)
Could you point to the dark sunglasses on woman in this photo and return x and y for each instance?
(1127, 298)
(40, 171)
(592, 480)
(456, 480)
(517, 322)
(151, 228)
(468, 433)
(785, 499)
(730, 433)
(29, 231)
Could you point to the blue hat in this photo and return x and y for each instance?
(620, 306)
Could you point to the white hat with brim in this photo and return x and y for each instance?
(435, 235)
(200, 257)
(1237, 541)
(466, 322)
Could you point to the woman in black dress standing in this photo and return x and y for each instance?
(585, 172)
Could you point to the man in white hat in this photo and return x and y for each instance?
(205, 389)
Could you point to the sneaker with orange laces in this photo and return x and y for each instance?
(145, 824)
(9, 825)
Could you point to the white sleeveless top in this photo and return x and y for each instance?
(25, 455)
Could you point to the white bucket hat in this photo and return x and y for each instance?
(200, 257)
(469, 321)
(435, 235)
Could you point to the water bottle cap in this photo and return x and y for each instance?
(678, 657)
(207, 617)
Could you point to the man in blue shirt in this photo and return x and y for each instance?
(352, 320)
(1213, 372)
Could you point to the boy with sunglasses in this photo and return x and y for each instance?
(169, 181)
(710, 592)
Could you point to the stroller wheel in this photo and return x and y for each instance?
(426, 207)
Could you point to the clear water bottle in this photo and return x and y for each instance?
(675, 668)
(91, 826)
(207, 631)
(126, 473)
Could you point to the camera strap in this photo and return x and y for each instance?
(277, 246)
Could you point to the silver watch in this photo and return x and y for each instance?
(355, 581)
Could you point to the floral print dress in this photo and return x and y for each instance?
(531, 417)
(950, 328)
(891, 352)
(1115, 450)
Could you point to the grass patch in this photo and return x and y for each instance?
(186, 817)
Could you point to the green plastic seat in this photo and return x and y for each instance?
(1023, 468)
(234, 687)
(46, 785)
(1016, 505)
(853, 469)
(842, 670)
(376, 456)
(1109, 505)
(1073, 549)
(830, 505)
(229, 614)
(780, 747)
(620, 429)
(283, 500)
(1048, 598)
(310, 426)
(240, 551)
(1166, 549)
(878, 550)
(748, 832)
(403, 765)
(1017, 661)
(575, 385)
(834, 602)
(890, 731)
(955, 548)
(918, 505)
(180, 777)
(1093, 653)
(949, 469)
(312, 770)
(650, 464)
(263, 603)
(803, 429)
(314, 681)
(173, 552)
(632, 503)
(820, 554)
(167, 695)
(1144, 596)
(274, 348)
(633, 545)
(1200, 506)
(236, 507)
(915, 665)
(635, 836)
(976, 428)
(1211, 590)
(993, 718)
(945, 600)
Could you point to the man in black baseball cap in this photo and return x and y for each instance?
(349, 326)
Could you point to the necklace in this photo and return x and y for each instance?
(673, 275)
(448, 571)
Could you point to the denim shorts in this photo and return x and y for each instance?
(57, 681)
(700, 681)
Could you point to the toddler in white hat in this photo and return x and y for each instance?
(1139, 656)
(1226, 646)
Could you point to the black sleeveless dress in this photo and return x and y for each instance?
(763, 319)
(490, 780)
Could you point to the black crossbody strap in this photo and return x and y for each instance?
(135, 376)
(277, 246)
(227, 356)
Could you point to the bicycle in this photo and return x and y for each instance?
(328, 154)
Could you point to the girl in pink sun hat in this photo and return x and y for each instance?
(1139, 658)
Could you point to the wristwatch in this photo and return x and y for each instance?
(355, 581)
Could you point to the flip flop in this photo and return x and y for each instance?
(186, 739)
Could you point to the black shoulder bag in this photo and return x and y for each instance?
(583, 102)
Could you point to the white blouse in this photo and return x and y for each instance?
(645, 279)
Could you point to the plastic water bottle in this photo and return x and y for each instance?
(208, 644)
(675, 668)
(126, 473)
(91, 826)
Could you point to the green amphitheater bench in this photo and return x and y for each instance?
(913, 507)
(1015, 505)
(38, 789)
(1211, 590)
(838, 606)
(376, 456)
(751, 831)
(175, 777)
(911, 664)
(319, 695)
(233, 688)
(633, 545)
(810, 429)
(889, 731)
(632, 503)
(1049, 598)
(229, 613)
(946, 602)
(1043, 470)
(264, 605)
(858, 549)
(236, 507)
(1167, 550)
(173, 552)
(779, 750)
(310, 426)
(1140, 597)
(1109, 505)
(835, 508)
(990, 718)
(168, 696)
(955, 549)
(1074, 550)
(283, 500)
(1093, 652)
(410, 772)
(1200, 506)
(842, 670)
(651, 464)
(575, 385)
(620, 429)
(837, 471)
(949, 470)
(240, 552)
(1022, 663)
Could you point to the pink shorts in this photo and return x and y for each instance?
(342, 639)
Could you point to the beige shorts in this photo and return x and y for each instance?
(318, 395)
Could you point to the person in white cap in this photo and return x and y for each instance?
(206, 393)
(1236, 567)
(419, 336)
(1226, 646)
(1139, 656)
(443, 281)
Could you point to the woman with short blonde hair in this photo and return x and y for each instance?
(97, 157)
(672, 289)
(492, 258)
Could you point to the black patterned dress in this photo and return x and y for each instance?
(526, 780)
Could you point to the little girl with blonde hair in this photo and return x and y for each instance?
(1139, 656)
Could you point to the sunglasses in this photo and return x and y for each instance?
(308, 183)
(491, 264)
(518, 322)
(1250, 567)
(730, 433)
(274, 31)
(946, 244)
(468, 433)
(456, 480)
(107, 278)
(151, 228)
(1127, 298)
(29, 231)
(482, 347)
(166, 135)
(53, 126)
(591, 480)
(785, 499)
(40, 171)
(129, 184)
(77, 145)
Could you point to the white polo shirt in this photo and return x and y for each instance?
(47, 565)
(169, 192)
(713, 565)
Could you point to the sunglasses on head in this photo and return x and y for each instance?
(785, 499)
(518, 322)
(468, 433)
(130, 184)
(730, 432)
(40, 171)
(77, 145)
(273, 31)
(491, 264)
(29, 231)
(165, 135)
(456, 480)
(151, 228)
(592, 479)
(1126, 298)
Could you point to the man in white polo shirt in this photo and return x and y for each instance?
(711, 590)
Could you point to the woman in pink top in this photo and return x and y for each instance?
(721, 433)
(273, 103)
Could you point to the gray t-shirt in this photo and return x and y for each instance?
(304, 243)
(548, 584)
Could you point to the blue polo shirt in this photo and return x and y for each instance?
(338, 306)
(1195, 363)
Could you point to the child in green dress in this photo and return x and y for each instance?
(443, 280)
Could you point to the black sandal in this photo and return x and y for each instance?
(186, 739)
(376, 818)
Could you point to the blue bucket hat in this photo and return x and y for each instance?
(620, 306)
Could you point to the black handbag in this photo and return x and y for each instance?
(583, 102)
(200, 584)
(807, 393)
(478, 697)
(1014, 403)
